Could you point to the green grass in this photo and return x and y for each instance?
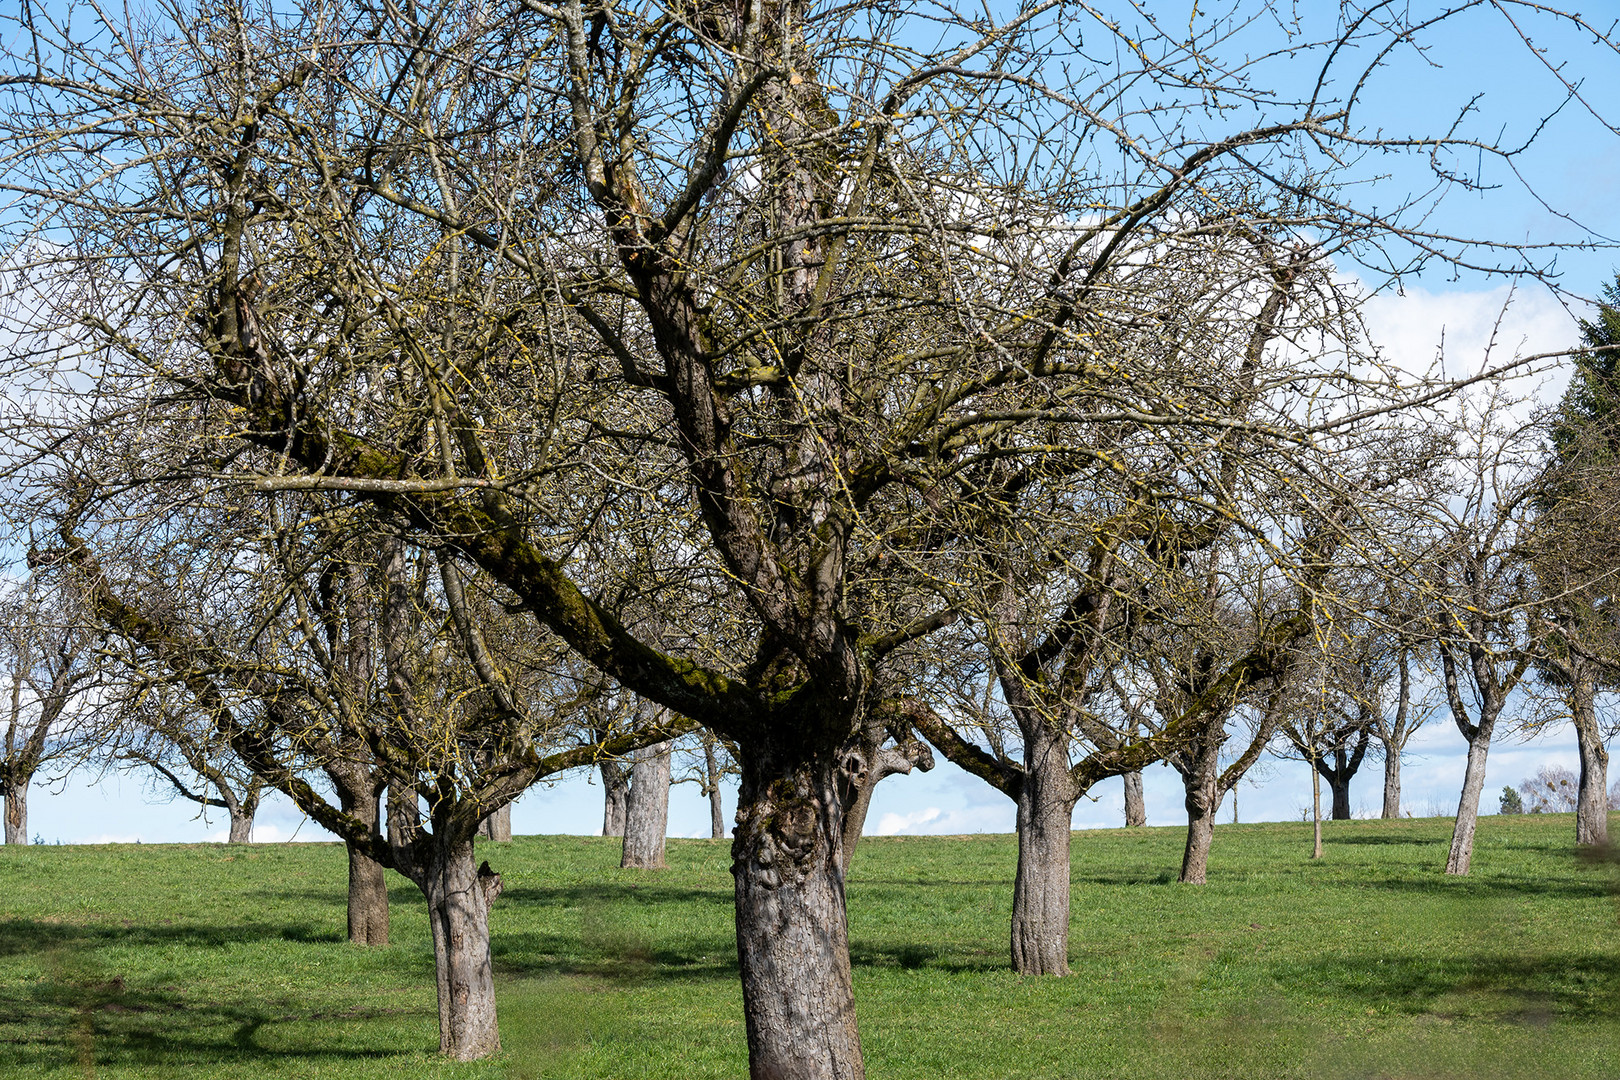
(168, 961)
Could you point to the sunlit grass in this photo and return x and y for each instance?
(168, 961)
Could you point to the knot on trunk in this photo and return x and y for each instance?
(490, 882)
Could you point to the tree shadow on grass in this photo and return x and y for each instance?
(1564, 985)
(25, 936)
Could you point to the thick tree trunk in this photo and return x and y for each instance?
(1203, 799)
(17, 812)
(404, 815)
(368, 899)
(792, 931)
(615, 789)
(241, 824)
(646, 809)
(497, 826)
(1462, 836)
(459, 899)
(1340, 787)
(1135, 804)
(1040, 918)
(1592, 804)
(1392, 782)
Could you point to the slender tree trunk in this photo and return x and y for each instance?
(498, 825)
(615, 789)
(1135, 804)
(17, 812)
(868, 760)
(1392, 781)
(1316, 811)
(711, 780)
(646, 809)
(1202, 783)
(459, 900)
(1592, 805)
(1462, 836)
(792, 929)
(1040, 919)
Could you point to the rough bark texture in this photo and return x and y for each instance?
(497, 826)
(459, 898)
(1203, 799)
(368, 899)
(646, 818)
(792, 930)
(1392, 782)
(1135, 804)
(1040, 918)
(241, 824)
(615, 789)
(866, 763)
(1339, 786)
(1592, 804)
(404, 815)
(17, 812)
(1462, 836)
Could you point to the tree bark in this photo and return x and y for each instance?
(646, 816)
(711, 779)
(1040, 918)
(368, 899)
(1135, 804)
(1392, 781)
(792, 929)
(1339, 786)
(867, 762)
(241, 824)
(498, 825)
(16, 812)
(1316, 811)
(1203, 799)
(1592, 804)
(459, 898)
(615, 789)
(404, 815)
(1462, 836)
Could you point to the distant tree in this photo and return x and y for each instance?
(1511, 802)
(1552, 790)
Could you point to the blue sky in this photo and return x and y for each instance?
(1572, 164)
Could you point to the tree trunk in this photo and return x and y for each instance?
(1040, 918)
(1316, 811)
(868, 760)
(1203, 799)
(17, 812)
(368, 900)
(1392, 781)
(498, 825)
(459, 899)
(1340, 787)
(1592, 805)
(711, 779)
(615, 789)
(404, 815)
(646, 809)
(1462, 837)
(792, 930)
(1135, 805)
(241, 824)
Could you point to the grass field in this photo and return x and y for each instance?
(212, 961)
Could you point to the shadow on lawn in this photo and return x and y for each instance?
(20, 936)
(1569, 986)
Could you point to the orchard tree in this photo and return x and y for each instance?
(791, 273)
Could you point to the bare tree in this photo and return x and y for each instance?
(771, 267)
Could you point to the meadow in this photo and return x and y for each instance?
(207, 960)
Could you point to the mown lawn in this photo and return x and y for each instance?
(169, 961)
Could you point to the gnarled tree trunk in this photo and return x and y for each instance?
(1203, 800)
(241, 824)
(867, 761)
(1135, 804)
(1040, 918)
(646, 817)
(1592, 803)
(792, 930)
(459, 896)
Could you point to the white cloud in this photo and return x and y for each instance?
(108, 838)
(932, 821)
(263, 833)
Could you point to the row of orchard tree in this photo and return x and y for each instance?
(411, 402)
